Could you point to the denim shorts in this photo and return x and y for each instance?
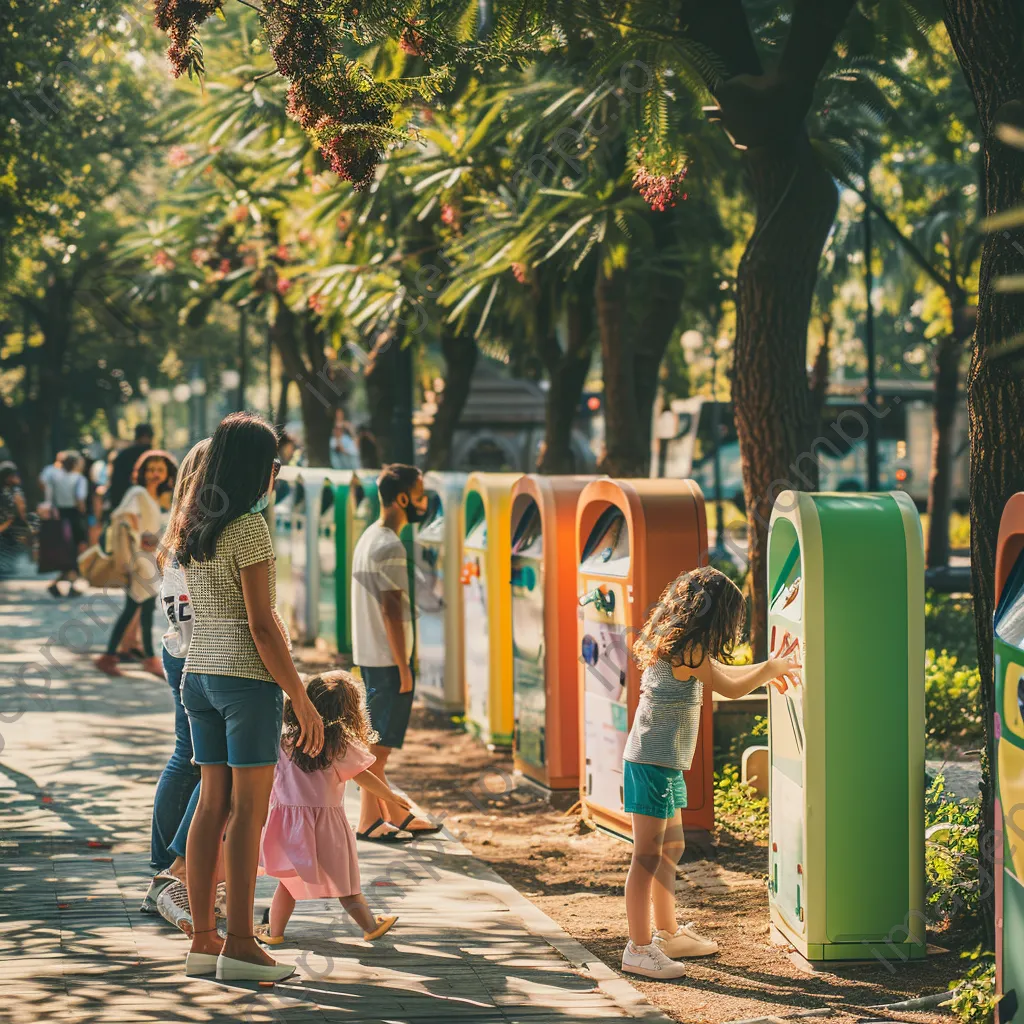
(234, 721)
(388, 709)
(652, 790)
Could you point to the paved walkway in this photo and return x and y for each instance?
(79, 760)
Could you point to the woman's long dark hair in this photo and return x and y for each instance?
(235, 474)
(700, 615)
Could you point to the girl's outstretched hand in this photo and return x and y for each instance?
(788, 672)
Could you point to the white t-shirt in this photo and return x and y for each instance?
(48, 476)
(178, 608)
(144, 574)
(379, 564)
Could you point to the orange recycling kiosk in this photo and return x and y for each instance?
(486, 602)
(545, 677)
(633, 537)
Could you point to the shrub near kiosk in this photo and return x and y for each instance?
(487, 614)
(633, 538)
(846, 800)
(545, 684)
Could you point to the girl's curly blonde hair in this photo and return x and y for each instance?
(700, 615)
(341, 701)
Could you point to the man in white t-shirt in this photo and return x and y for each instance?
(382, 641)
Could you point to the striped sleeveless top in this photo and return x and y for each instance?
(667, 719)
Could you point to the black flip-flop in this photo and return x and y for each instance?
(419, 831)
(395, 836)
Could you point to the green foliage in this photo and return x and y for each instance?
(974, 1000)
(952, 694)
(951, 858)
(949, 625)
(738, 807)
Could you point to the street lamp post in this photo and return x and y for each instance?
(871, 391)
(716, 427)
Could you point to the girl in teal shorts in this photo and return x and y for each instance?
(681, 649)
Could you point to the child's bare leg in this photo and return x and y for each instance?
(663, 892)
(281, 908)
(359, 910)
(648, 834)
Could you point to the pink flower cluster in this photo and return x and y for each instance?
(660, 191)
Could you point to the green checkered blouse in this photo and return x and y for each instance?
(221, 641)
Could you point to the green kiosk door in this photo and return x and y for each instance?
(846, 800)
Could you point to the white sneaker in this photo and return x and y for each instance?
(229, 969)
(651, 962)
(685, 942)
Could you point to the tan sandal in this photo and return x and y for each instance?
(262, 933)
(384, 925)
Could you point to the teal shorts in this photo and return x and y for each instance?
(652, 790)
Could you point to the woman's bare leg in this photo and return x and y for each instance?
(250, 797)
(648, 834)
(203, 851)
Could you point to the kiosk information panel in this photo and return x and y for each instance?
(487, 613)
(528, 641)
(1008, 729)
(846, 798)
(546, 687)
(298, 626)
(363, 508)
(281, 531)
(633, 537)
(437, 554)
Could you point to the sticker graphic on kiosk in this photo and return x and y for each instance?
(477, 631)
(529, 697)
(604, 651)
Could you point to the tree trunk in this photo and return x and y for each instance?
(567, 374)
(281, 416)
(796, 202)
(460, 355)
(988, 39)
(380, 394)
(300, 343)
(625, 454)
(940, 485)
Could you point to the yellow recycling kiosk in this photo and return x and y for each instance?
(633, 537)
(437, 591)
(487, 605)
(1008, 643)
(846, 782)
(545, 674)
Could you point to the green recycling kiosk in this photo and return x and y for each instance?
(332, 609)
(633, 538)
(1008, 644)
(437, 592)
(487, 605)
(545, 678)
(846, 782)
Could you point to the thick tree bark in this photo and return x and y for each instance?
(989, 42)
(567, 373)
(796, 202)
(281, 416)
(625, 453)
(460, 355)
(379, 378)
(300, 343)
(940, 485)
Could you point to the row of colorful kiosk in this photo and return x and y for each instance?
(529, 591)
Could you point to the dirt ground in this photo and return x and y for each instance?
(576, 878)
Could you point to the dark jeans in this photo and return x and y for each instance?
(178, 783)
(145, 622)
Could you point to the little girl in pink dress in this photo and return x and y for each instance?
(307, 842)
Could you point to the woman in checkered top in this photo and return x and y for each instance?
(237, 670)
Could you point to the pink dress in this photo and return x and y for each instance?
(307, 842)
